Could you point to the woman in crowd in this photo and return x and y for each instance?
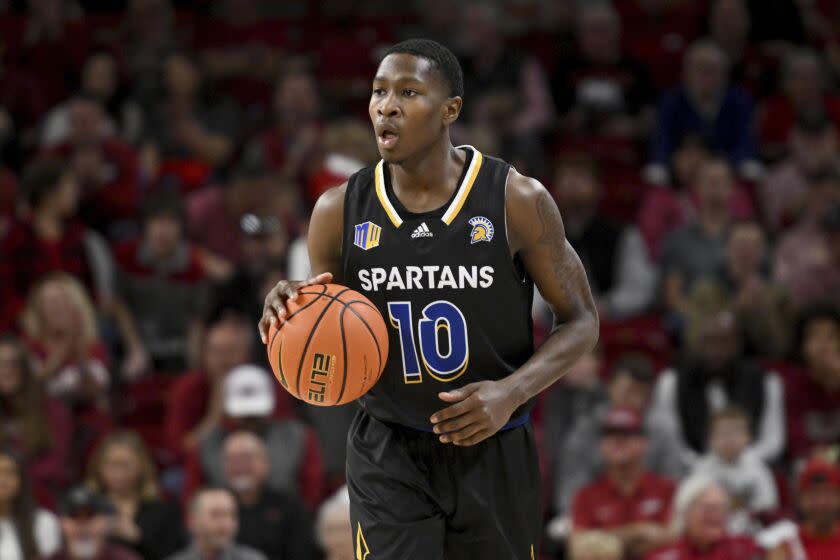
(36, 427)
(122, 470)
(699, 524)
(27, 532)
(70, 359)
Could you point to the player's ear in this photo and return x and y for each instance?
(451, 109)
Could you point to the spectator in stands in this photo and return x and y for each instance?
(630, 386)
(53, 47)
(615, 258)
(812, 391)
(249, 402)
(812, 149)
(743, 283)
(802, 91)
(26, 531)
(716, 374)
(243, 52)
(215, 213)
(629, 501)
(707, 105)
(699, 522)
(196, 400)
(84, 527)
(60, 325)
(729, 27)
(122, 471)
(264, 241)
(806, 259)
(213, 522)
(271, 521)
(730, 462)
(663, 210)
(187, 123)
(600, 90)
(348, 147)
(100, 82)
(658, 32)
(163, 281)
(48, 238)
(293, 142)
(145, 36)
(333, 530)
(819, 505)
(508, 90)
(38, 428)
(69, 357)
(696, 250)
(106, 168)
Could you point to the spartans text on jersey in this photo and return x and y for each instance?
(427, 277)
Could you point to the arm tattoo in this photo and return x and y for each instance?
(553, 234)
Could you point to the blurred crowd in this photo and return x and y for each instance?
(158, 163)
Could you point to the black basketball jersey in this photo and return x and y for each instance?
(458, 305)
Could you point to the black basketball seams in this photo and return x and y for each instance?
(309, 337)
(367, 326)
(319, 294)
(344, 351)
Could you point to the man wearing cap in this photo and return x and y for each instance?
(819, 502)
(294, 455)
(84, 518)
(626, 499)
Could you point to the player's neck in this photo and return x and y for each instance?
(434, 170)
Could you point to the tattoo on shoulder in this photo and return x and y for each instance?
(552, 235)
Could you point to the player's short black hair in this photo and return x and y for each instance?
(441, 58)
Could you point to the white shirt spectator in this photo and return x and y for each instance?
(46, 532)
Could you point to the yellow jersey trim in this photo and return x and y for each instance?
(465, 188)
(379, 179)
(454, 207)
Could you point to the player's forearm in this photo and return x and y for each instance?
(566, 344)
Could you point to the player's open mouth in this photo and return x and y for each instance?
(387, 139)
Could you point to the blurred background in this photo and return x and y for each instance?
(158, 163)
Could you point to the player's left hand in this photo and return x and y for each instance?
(479, 411)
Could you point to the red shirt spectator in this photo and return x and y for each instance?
(49, 239)
(812, 391)
(821, 547)
(602, 505)
(778, 116)
(195, 399)
(628, 500)
(111, 173)
(242, 49)
(729, 548)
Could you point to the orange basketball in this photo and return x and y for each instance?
(332, 347)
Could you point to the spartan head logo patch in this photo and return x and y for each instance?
(482, 230)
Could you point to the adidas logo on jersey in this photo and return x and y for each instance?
(422, 231)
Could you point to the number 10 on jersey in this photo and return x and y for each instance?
(437, 315)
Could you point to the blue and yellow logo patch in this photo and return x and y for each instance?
(482, 229)
(367, 235)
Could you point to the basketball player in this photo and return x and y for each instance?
(448, 243)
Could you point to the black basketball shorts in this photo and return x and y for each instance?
(413, 498)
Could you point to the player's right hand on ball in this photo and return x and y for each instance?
(274, 310)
